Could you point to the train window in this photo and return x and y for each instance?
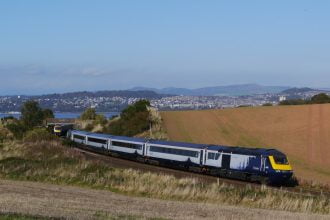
(281, 160)
(96, 140)
(78, 137)
(210, 156)
(127, 145)
(174, 151)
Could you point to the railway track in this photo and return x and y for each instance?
(125, 164)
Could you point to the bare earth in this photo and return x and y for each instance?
(68, 202)
(302, 132)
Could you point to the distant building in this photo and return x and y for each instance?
(282, 98)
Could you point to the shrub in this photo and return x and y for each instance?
(267, 104)
(38, 134)
(89, 127)
(100, 119)
(88, 114)
(17, 128)
(320, 99)
(133, 120)
(4, 134)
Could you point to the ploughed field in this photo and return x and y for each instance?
(301, 132)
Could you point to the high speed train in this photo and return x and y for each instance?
(267, 166)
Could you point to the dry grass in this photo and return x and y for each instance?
(302, 132)
(54, 163)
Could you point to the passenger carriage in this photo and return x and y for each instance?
(262, 165)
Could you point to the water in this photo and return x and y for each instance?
(61, 114)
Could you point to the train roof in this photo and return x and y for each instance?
(98, 135)
(92, 134)
(219, 148)
(124, 138)
(80, 132)
(178, 144)
(245, 150)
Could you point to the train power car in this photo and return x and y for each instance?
(257, 165)
(61, 129)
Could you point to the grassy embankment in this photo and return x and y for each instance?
(301, 132)
(52, 162)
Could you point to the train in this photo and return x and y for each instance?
(266, 166)
(61, 129)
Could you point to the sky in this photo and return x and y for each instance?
(74, 45)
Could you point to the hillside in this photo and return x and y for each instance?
(302, 132)
(230, 90)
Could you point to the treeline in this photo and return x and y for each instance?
(32, 117)
(133, 120)
(321, 98)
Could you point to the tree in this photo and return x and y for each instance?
(320, 99)
(133, 120)
(32, 114)
(88, 114)
(47, 113)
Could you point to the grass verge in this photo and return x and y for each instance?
(52, 162)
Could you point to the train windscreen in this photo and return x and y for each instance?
(281, 159)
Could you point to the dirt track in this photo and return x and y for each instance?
(302, 132)
(81, 203)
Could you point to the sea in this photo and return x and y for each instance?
(61, 115)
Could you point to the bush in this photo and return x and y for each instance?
(4, 134)
(133, 120)
(267, 104)
(320, 99)
(100, 119)
(89, 127)
(17, 128)
(293, 102)
(88, 114)
(38, 134)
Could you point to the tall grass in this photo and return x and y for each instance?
(50, 161)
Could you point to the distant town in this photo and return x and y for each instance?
(115, 101)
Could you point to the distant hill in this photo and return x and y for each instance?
(231, 90)
(298, 90)
(302, 93)
(106, 93)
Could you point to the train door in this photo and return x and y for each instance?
(225, 162)
(263, 164)
(144, 149)
(201, 157)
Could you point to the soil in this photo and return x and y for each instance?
(39, 199)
